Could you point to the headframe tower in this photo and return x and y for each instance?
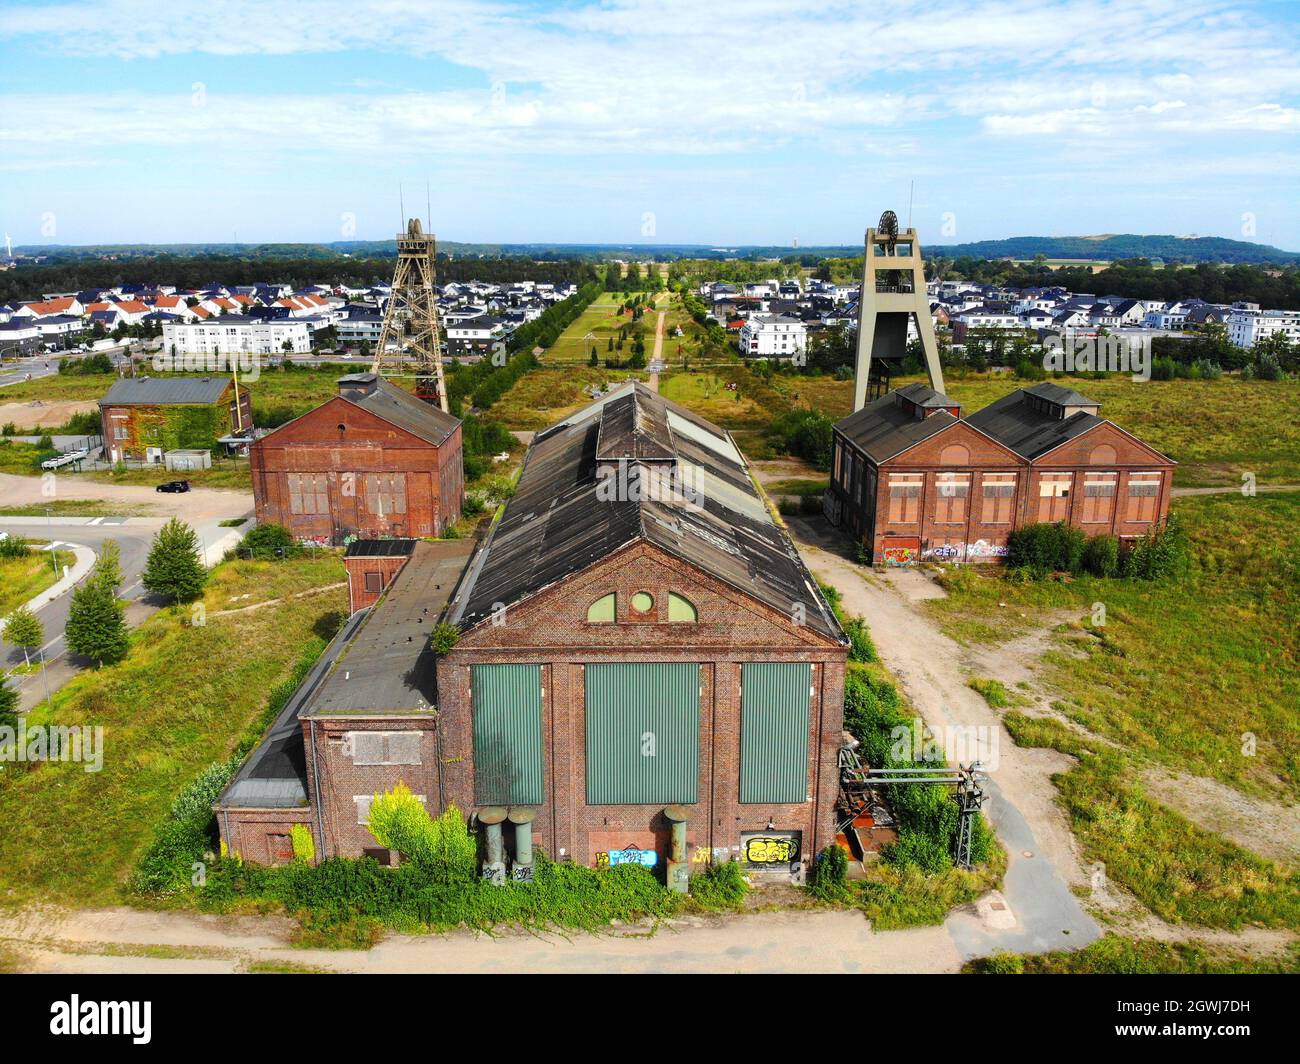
(411, 318)
(893, 289)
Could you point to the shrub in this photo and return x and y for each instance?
(14, 547)
(304, 847)
(994, 691)
(722, 886)
(1101, 556)
(1000, 964)
(830, 874)
(444, 637)
(269, 541)
(1268, 368)
(443, 848)
(1161, 553)
(861, 647)
(1044, 548)
(8, 704)
(1163, 369)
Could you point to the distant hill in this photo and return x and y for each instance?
(1107, 248)
(1112, 246)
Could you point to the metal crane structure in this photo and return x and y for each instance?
(859, 786)
(893, 291)
(411, 318)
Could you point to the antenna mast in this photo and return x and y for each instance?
(411, 318)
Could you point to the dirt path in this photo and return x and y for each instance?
(126, 940)
(1230, 489)
(658, 351)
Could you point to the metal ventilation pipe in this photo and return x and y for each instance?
(494, 868)
(679, 872)
(522, 819)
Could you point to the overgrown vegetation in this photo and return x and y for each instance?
(1115, 955)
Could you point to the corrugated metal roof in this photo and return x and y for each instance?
(559, 521)
(885, 428)
(1016, 423)
(388, 666)
(399, 407)
(165, 391)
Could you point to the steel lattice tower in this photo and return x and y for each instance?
(411, 318)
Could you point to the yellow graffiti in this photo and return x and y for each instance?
(702, 855)
(602, 859)
(766, 850)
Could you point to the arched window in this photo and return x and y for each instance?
(681, 609)
(602, 610)
(1102, 454)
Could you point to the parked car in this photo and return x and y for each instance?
(174, 486)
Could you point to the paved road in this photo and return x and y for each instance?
(133, 537)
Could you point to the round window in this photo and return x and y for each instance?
(643, 602)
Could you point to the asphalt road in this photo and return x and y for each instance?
(133, 537)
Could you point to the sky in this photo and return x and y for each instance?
(725, 122)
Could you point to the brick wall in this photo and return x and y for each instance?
(552, 630)
(358, 568)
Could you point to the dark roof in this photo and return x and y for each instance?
(388, 666)
(1062, 396)
(399, 407)
(380, 548)
(165, 391)
(886, 428)
(561, 521)
(1029, 429)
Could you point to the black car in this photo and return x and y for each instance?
(174, 486)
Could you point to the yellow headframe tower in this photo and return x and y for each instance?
(893, 288)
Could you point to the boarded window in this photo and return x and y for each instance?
(680, 609)
(643, 734)
(308, 493)
(374, 582)
(385, 748)
(507, 706)
(1143, 497)
(904, 500)
(1054, 497)
(1099, 498)
(363, 807)
(279, 848)
(602, 610)
(954, 454)
(999, 498)
(386, 493)
(774, 712)
(951, 490)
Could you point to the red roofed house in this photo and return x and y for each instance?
(50, 307)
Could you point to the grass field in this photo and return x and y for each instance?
(23, 578)
(593, 328)
(1198, 674)
(180, 701)
(1215, 430)
(1116, 955)
(78, 508)
(546, 395)
(228, 473)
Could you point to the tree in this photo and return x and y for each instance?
(96, 627)
(108, 566)
(8, 704)
(23, 629)
(174, 568)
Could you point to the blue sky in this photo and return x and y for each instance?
(731, 122)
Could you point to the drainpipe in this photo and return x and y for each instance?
(494, 868)
(522, 819)
(678, 867)
(315, 779)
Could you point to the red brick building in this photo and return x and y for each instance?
(636, 635)
(911, 478)
(371, 565)
(373, 461)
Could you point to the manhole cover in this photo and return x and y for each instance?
(1029, 853)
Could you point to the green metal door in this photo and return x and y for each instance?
(643, 734)
(774, 714)
(507, 706)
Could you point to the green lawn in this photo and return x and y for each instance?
(1198, 674)
(23, 578)
(548, 394)
(593, 328)
(1116, 955)
(180, 701)
(78, 508)
(1215, 430)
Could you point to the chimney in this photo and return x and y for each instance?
(358, 385)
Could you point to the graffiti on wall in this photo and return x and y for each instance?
(955, 552)
(628, 855)
(773, 850)
(901, 556)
